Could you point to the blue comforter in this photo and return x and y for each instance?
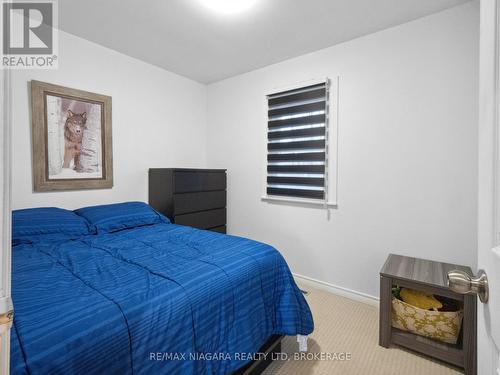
(160, 299)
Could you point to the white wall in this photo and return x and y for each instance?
(407, 144)
(407, 151)
(159, 120)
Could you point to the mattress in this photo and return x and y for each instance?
(163, 299)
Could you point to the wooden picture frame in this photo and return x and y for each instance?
(72, 138)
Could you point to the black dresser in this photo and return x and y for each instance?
(193, 197)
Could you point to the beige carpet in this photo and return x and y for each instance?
(343, 325)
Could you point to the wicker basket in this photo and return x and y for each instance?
(438, 325)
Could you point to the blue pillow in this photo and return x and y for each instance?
(114, 217)
(47, 224)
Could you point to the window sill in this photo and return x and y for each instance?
(305, 202)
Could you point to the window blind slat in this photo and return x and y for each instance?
(296, 168)
(296, 193)
(296, 133)
(296, 181)
(313, 119)
(297, 145)
(314, 94)
(313, 156)
(304, 108)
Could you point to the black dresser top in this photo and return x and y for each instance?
(188, 170)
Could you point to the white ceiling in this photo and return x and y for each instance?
(185, 37)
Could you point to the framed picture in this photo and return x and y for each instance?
(72, 143)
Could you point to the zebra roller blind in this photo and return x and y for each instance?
(297, 142)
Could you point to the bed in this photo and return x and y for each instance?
(119, 289)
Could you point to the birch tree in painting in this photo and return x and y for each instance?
(90, 157)
(55, 135)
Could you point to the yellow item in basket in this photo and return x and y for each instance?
(420, 300)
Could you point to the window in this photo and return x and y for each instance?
(297, 143)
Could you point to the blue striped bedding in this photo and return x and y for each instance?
(158, 299)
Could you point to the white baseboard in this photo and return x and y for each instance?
(338, 290)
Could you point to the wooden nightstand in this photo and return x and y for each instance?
(430, 277)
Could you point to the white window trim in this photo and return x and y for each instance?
(332, 153)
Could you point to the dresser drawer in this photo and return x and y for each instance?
(185, 182)
(192, 202)
(203, 219)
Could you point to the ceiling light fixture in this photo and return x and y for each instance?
(228, 6)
